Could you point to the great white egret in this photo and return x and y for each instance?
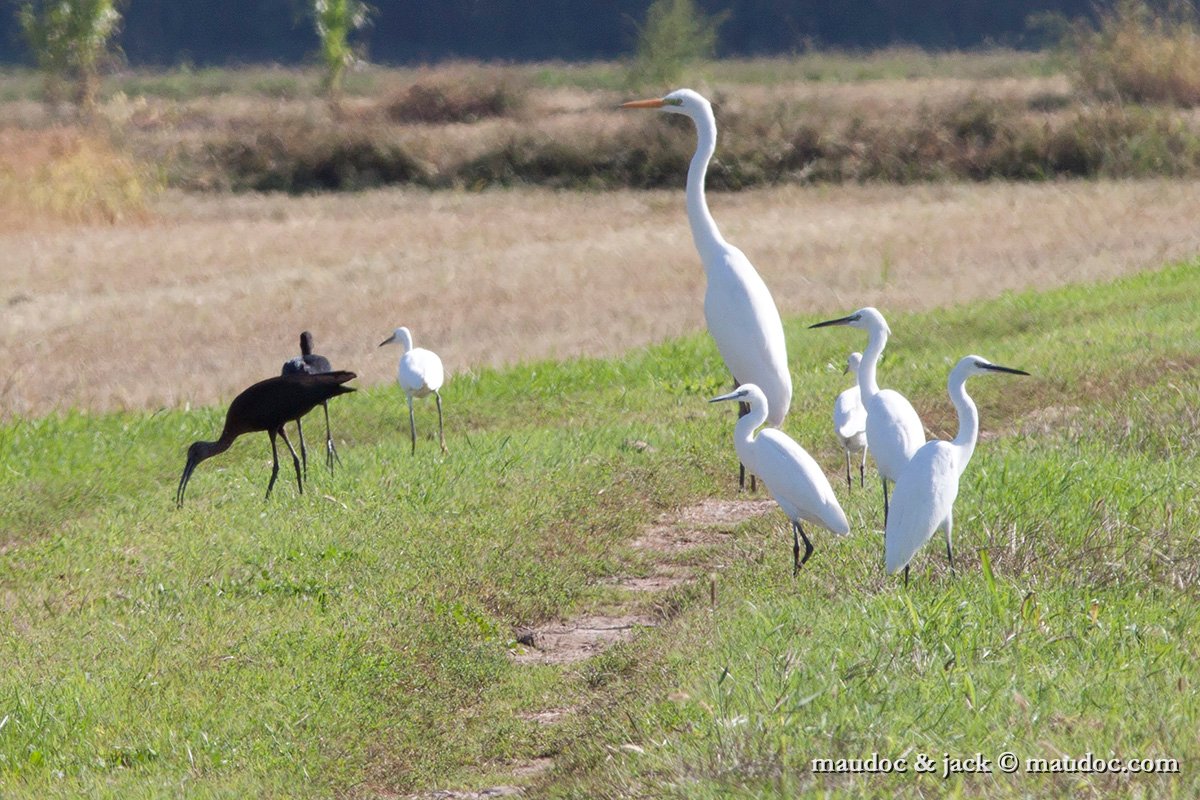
(925, 493)
(309, 363)
(792, 477)
(420, 375)
(850, 422)
(267, 406)
(893, 428)
(738, 307)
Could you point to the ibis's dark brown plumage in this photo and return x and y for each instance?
(308, 363)
(267, 406)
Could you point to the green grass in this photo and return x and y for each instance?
(354, 640)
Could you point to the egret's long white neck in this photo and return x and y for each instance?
(404, 339)
(868, 385)
(704, 227)
(968, 419)
(743, 432)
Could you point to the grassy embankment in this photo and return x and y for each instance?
(356, 639)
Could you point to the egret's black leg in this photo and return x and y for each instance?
(441, 435)
(849, 482)
(274, 465)
(303, 450)
(295, 460)
(412, 425)
(743, 410)
(862, 470)
(883, 480)
(797, 561)
(906, 576)
(331, 454)
(949, 551)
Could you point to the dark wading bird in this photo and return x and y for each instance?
(267, 406)
(310, 364)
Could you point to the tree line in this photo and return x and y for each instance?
(222, 32)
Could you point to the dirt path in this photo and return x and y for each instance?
(707, 523)
(210, 293)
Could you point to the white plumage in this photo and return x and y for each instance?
(793, 478)
(738, 308)
(893, 428)
(925, 493)
(850, 421)
(420, 374)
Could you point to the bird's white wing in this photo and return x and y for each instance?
(796, 481)
(894, 432)
(922, 502)
(421, 372)
(849, 416)
(744, 322)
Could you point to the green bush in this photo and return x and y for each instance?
(675, 34)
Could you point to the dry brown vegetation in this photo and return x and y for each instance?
(209, 292)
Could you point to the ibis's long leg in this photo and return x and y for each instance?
(295, 459)
(331, 453)
(412, 425)
(303, 450)
(441, 436)
(274, 464)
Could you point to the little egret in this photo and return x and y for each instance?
(267, 406)
(924, 496)
(850, 422)
(308, 363)
(420, 375)
(741, 315)
(893, 428)
(792, 477)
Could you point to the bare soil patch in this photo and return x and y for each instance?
(208, 294)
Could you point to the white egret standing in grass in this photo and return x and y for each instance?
(738, 307)
(850, 422)
(924, 498)
(420, 375)
(893, 428)
(792, 477)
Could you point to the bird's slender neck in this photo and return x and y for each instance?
(220, 445)
(968, 419)
(743, 432)
(404, 339)
(704, 227)
(868, 385)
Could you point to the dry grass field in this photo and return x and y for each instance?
(202, 294)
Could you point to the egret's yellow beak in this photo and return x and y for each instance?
(655, 103)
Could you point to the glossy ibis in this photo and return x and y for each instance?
(307, 363)
(267, 406)
(420, 375)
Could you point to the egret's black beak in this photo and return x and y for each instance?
(838, 321)
(738, 395)
(1009, 370)
(386, 341)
